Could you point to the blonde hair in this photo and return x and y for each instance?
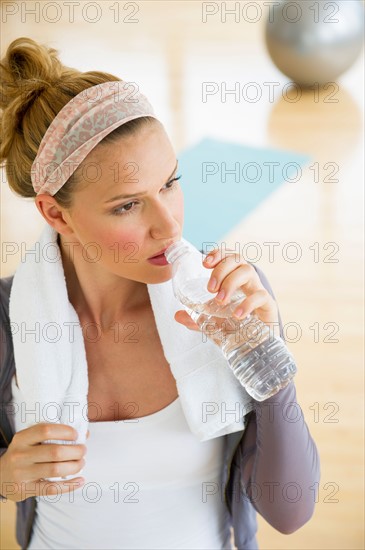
(34, 86)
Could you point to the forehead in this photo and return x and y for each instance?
(132, 163)
(147, 147)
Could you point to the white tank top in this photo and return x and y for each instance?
(149, 484)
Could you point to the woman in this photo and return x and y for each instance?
(177, 492)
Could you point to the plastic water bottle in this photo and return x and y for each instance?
(260, 361)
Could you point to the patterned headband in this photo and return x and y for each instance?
(79, 126)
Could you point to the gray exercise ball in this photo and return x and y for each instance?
(314, 41)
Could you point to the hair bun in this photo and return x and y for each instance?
(34, 87)
(27, 68)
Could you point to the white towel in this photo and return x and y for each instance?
(50, 356)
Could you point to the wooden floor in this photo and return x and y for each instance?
(170, 52)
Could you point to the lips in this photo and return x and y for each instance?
(160, 253)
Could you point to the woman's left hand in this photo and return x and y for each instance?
(232, 272)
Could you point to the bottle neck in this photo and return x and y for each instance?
(176, 251)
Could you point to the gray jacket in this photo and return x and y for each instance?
(272, 467)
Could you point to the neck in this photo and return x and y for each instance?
(98, 296)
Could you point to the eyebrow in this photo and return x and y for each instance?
(117, 197)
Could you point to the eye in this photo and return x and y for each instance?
(119, 211)
(173, 182)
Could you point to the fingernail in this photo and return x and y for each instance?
(238, 313)
(208, 259)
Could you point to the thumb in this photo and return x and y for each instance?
(184, 318)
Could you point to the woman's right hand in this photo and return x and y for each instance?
(27, 461)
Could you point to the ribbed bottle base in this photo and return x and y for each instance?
(264, 370)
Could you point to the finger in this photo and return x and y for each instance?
(261, 303)
(216, 255)
(209, 259)
(231, 275)
(221, 268)
(184, 318)
(43, 431)
(45, 488)
(56, 469)
(54, 452)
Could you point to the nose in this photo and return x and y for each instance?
(164, 225)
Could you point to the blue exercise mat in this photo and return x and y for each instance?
(222, 182)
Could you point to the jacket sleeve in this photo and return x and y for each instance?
(279, 461)
(6, 356)
(3, 443)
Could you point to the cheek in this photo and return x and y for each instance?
(179, 211)
(116, 241)
(122, 243)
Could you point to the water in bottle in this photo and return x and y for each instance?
(261, 361)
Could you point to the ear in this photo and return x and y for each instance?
(56, 216)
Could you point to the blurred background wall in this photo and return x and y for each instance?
(172, 49)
